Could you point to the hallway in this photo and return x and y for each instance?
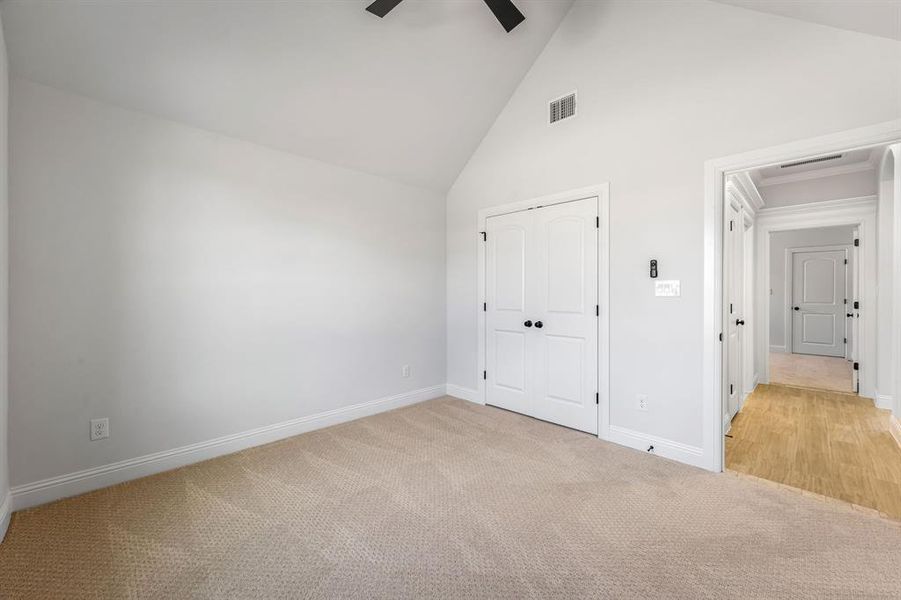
(834, 444)
(807, 370)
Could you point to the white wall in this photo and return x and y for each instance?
(5, 505)
(188, 285)
(663, 86)
(835, 187)
(780, 295)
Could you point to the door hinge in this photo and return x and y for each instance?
(597, 222)
(730, 308)
(857, 242)
(721, 337)
(846, 261)
(857, 366)
(597, 398)
(597, 310)
(731, 225)
(484, 235)
(846, 340)
(731, 389)
(484, 307)
(484, 374)
(846, 300)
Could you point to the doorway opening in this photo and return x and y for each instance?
(810, 353)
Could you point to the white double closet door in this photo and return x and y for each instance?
(541, 314)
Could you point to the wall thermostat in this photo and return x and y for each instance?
(653, 268)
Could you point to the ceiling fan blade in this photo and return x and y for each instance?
(380, 8)
(506, 12)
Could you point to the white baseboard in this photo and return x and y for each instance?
(883, 401)
(691, 455)
(780, 349)
(464, 393)
(6, 510)
(54, 488)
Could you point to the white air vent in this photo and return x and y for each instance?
(563, 107)
(810, 161)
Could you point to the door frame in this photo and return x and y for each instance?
(715, 171)
(789, 285)
(855, 212)
(602, 192)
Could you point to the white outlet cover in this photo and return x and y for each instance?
(668, 288)
(405, 371)
(99, 429)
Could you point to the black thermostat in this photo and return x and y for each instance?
(653, 268)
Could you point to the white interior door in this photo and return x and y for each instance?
(818, 307)
(542, 294)
(735, 256)
(509, 271)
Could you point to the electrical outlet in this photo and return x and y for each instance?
(99, 429)
(405, 370)
(641, 402)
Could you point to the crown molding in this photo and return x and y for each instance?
(744, 185)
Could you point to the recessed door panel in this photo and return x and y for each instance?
(511, 360)
(565, 264)
(510, 267)
(818, 329)
(819, 281)
(565, 369)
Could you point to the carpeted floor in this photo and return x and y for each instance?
(806, 370)
(447, 499)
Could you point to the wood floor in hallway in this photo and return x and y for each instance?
(837, 445)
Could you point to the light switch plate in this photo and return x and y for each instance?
(671, 288)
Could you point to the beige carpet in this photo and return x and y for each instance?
(446, 499)
(805, 370)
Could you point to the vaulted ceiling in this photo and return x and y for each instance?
(874, 17)
(408, 97)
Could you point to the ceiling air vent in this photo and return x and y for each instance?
(809, 161)
(563, 108)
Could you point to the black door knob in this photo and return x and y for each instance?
(797, 307)
(739, 321)
(539, 324)
(849, 315)
(528, 323)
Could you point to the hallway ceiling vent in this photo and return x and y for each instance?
(809, 161)
(563, 108)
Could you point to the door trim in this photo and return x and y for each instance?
(789, 295)
(602, 193)
(715, 172)
(859, 212)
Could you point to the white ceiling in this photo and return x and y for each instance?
(408, 97)
(875, 17)
(851, 161)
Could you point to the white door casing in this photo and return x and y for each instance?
(818, 308)
(541, 315)
(853, 320)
